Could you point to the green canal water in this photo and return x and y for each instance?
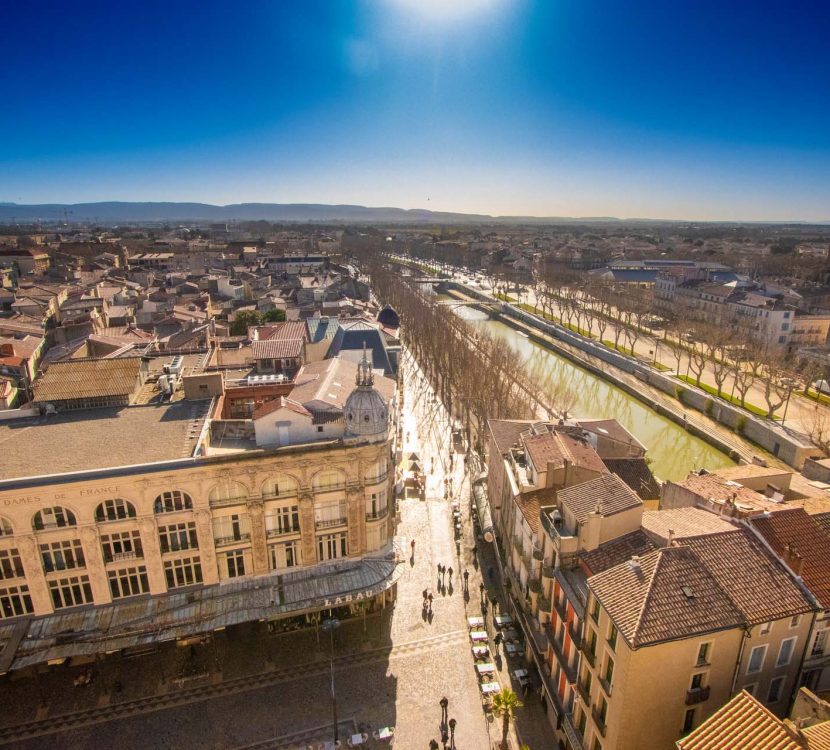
(673, 451)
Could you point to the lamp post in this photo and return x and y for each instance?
(331, 624)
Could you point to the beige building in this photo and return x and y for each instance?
(148, 531)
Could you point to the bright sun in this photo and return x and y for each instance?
(447, 10)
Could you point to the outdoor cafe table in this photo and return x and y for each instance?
(475, 622)
(385, 734)
(478, 635)
(503, 620)
(512, 649)
(510, 635)
(357, 739)
(481, 652)
(521, 676)
(488, 668)
(490, 687)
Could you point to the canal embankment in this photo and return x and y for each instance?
(730, 429)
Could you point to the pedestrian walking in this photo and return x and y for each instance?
(466, 579)
(429, 599)
(450, 572)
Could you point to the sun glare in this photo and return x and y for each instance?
(447, 10)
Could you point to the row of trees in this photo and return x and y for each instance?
(477, 376)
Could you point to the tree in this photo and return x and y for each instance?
(274, 316)
(505, 704)
(243, 320)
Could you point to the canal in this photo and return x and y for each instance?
(673, 451)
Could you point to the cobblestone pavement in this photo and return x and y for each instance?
(391, 669)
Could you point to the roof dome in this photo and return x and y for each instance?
(365, 411)
(389, 317)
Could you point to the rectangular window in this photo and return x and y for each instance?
(612, 636)
(235, 562)
(230, 529)
(125, 545)
(688, 721)
(184, 572)
(751, 688)
(818, 643)
(285, 555)
(756, 659)
(70, 592)
(776, 687)
(10, 564)
(332, 546)
(609, 672)
(785, 652)
(329, 515)
(15, 601)
(703, 653)
(284, 520)
(178, 536)
(595, 611)
(128, 582)
(795, 621)
(63, 555)
(765, 628)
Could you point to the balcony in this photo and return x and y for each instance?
(547, 571)
(224, 541)
(517, 544)
(572, 733)
(377, 514)
(544, 603)
(574, 633)
(121, 556)
(584, 693)
(534, 585)
(697, 695)
(271, 533)
(331, 523)
(599, 720)
(561, 609)
(537, 554)
(376, 480)
(590, 656)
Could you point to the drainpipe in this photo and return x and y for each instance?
(747, 630)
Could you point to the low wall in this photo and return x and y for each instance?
(788, 447)
(9, 414)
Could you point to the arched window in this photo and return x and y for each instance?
(329, 480)
(279, 486)
(228, 493)
(170, 502)
(6, 527)
(53, 518)
(114, 510)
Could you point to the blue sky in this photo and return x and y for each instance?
(702, 110)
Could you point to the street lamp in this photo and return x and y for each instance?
(331, 624)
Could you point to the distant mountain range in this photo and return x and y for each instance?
(109, 212)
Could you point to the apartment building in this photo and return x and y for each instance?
(150, 530)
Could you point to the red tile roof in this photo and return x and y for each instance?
(742, 724)
(795, 526)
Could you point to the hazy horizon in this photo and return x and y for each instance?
(497, 107)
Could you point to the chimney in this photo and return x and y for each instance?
(634, 563)
(670, 540)
(794, 561)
